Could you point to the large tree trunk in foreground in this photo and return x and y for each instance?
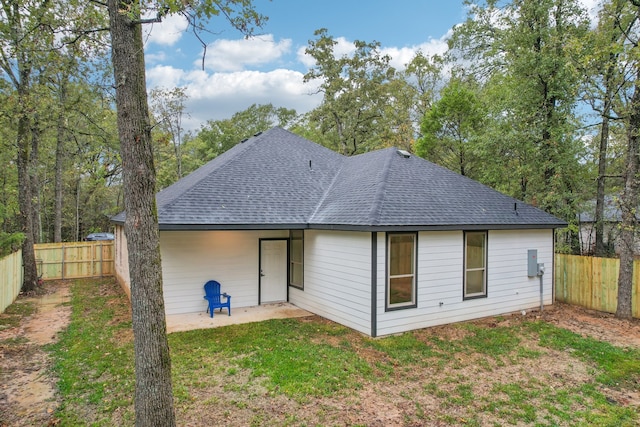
(629, 207)
(153, 394)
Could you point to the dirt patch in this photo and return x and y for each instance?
(27, 389)
(595, 324)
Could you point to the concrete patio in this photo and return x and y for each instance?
(190, 321)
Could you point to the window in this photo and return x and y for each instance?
(475, 264)
(296, 258)
(401, 270)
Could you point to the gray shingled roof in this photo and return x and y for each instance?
(280, 180)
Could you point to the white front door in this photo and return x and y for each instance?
(273, 271)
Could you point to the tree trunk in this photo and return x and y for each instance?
(22, 83)
(177, 148)
(600, 249)
(34, 179)
(30, 279)
(77, 228)
(629, 206)
(344, 150)
(57, 221)
(153, 391)
(609, 87)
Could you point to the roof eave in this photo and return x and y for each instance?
(436, 227)
(358, 227)
(212, 227)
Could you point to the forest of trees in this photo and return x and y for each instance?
(532, 98)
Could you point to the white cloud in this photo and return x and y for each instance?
(343, 47)
(246, 83)
(219, 95)
(305, 59)
(164, 76)
(168, 32)
(400, 57)
(235, 55)
(155, 57)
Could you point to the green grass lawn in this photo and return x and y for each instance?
(309, 371)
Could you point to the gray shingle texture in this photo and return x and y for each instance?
(280, 180)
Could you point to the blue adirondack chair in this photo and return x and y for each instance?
(213, 296)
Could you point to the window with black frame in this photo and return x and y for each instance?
(296, 258)
(475, 264)
(401, 270)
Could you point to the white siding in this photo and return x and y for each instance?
(440, 278)
(337, 277)
(122, 260)
(190, 258)
(337, 274)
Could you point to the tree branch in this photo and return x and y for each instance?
(81, 34)
(155, 20)
(158, 19)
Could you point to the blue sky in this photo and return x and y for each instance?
(269, 68)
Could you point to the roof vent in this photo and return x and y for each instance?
(244, 140)
(404, 153)
(257, 134)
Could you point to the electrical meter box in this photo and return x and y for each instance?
(532, 262)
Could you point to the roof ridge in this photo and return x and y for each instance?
(327, 191)
(376, 205)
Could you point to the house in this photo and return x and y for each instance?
(382, 242)
(611, 226)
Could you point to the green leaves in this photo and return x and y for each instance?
(357, 89)
(217, 136)
(530, 138)
(451, 127)
(241, 14)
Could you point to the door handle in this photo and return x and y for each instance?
(262, 273)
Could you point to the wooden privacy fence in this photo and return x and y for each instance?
(593, 282)
(74, 260)
(10, 279)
